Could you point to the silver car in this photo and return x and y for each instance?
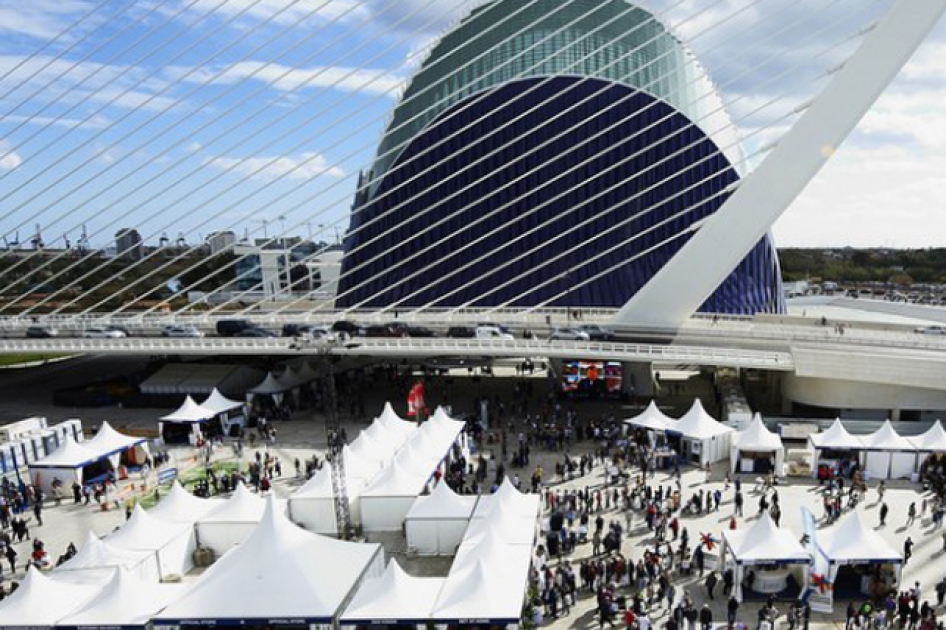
(181, 331)
(101, 332)
(569, 334)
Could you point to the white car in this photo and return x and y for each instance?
(932, 330)
(492, 332)
(569, 334)
(181, 331)
(100, 332)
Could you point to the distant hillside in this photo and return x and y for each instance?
(896, 266)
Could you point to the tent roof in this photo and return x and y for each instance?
(95, 553)
(70, 454)
(281, 571)
(307, 373)
(180, 506)
(42, 601)
(756, 437)
(269, 385)
(443, 503)
(836, 437)
(393, 596)
(358, 473)
(853, 542)
(242, 507)
(190, 411)
(651, 418)
(108, 440)
(289, 379)
(933, 440)
(501, 525)
(886, 439)
(485, 590)
(397, 480)
(764, 542)
(218, 403)
(697, 424)
(510, 501)
(394, 421)
(368, 447)
(125, 601)
(145, 532)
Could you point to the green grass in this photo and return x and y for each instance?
(188, 479)
(18, 359)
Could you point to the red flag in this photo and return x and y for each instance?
(419, 402)
(412, 402)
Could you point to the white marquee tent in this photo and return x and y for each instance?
(189, 414)
(269, 386)
(762, 544)
(835, 439)
(230, 523)
(125, 602)
(67, 463)
(652, 419)
(395, 597)
(281, 575)
(110, 441)
(933, 441)
(703, 440)
(180, 506)
(753, 442)
(888, 455)
(97, 559)
(435, 524)
(218, 403)
(172, 543)
(313, 504)
(511, 502)
(42, 601)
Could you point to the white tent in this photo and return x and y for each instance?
(501, 525)
(281, 575)
(98, 559)
(489, 590)
(67, 463)
(511, 502)
(652, 419)
(172, 543)
(218, 403)
(108, 440)
(753, 442)
(835, 439)
(762, 544)
(313, 505)
(380, 450)
(933, 441)
(395, 597)
(42, 601)
(125, 602)
(230, 523)
(391, 420)
(852, 542)
(435, 524)
(180, 506)
(703, 440)
(189, 414)
(887, 454)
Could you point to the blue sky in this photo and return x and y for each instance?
(187, 116)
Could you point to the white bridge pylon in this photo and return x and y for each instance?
(678, 289)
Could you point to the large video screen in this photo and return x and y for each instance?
(592, 378)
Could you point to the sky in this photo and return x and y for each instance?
(182, 117)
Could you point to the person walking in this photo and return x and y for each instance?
(732, 609)
(911, 514)
(711, 581)
(706, 618)
(907, 549)
(737, 503)
(883, 514)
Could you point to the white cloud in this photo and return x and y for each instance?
(95, 122)
(288, 79)
(303, 166)
(9, 158)
(283, 12)
(41, 19)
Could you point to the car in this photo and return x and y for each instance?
(295, 330)
(102, 332)
(506, 330)
(597, 333)
(253, 331)
(932, 330)
(569, 334)
(181, 331)
(119, 328)
(41, 332)
(461, 332)
(491, 331)
(233, 327)
(386, 330)
(420, 331)
(349, 328)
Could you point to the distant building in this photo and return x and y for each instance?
(220, 241)
(302, 271)
(128, 244)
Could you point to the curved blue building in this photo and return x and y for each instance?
(547, 151)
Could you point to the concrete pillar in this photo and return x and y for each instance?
(638, 379)
(894, 415)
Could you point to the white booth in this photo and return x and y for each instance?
(41, 601)
(395, 598)
(125, 602)
(888, 455)
(755, 449)
(436, 522)
(97, 559)
(766, 552)
(932, 442)
(699, 438)
(832, 448)
(172, 544)
(230, 523)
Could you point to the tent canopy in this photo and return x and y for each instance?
(652, 418)
(485, 590)
(934, 440)
(395, 596)
(699, 425)
(853, 542)
(242, 507)
(108, 440)
(180, 506)
(70, 454)
(270, 385)
(357, 473)
(836, 438)
(886, 439)
(218, 403)
(756, 437)
(764, 543)
(146, 532)
(443, 503)
(191, 412)
(280, 572)
(95, 553)
(42, 601)
(125, 601)
(508, 501)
